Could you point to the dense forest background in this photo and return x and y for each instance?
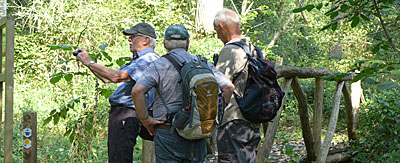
(72, 105)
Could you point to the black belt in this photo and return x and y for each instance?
(121, 106)
(164, 126)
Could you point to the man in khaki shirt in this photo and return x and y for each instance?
(237, 138)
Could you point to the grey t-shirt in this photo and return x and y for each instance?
(161, 74)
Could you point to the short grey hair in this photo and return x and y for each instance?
(174, 44)
(153, 42)
(225, 16)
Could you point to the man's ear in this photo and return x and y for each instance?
(147, 41)
(187, 45)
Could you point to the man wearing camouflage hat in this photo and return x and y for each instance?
(161, 74)
(124, 125)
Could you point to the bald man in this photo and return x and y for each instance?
(237, 138)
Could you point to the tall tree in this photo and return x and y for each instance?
(206, 11)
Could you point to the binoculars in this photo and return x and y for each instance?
(76, 52)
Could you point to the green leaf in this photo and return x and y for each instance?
(71, 104)
(309, 7)
(105, 54)
(67, 132)
(47, 120)
(66, 61)
(297, 10)
(387, 85)
(56, 78)
(334, 26)
(376, 48)
(334, 14)
(355, 21)
(319, 6)
(120, 62)
(325, 27)
(53, 111)
(68, 77)
(106, 92)
(359, 77)
(89, 127)
(63, 113)
(344, 8)
(66, 47)
(365, 18)
(103, 47)
(72, 137)
(289, 149)
(56, 118)
(53, 47)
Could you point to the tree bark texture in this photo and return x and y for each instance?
(349, 113)
(278, 33)
(264, 148)
(356, 98)
(332, 123)
(317, 116)
(306, 72)
(305, 124)
(148, 154)
(206, 11)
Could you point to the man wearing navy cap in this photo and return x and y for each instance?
(161, 74)
(124, 125)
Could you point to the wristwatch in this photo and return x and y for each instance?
(91, 62)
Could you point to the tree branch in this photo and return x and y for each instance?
(384, 28)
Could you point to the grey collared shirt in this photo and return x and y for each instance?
(161, 74)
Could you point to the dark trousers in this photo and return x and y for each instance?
(237, 142)
(172, 148)
(123, 128)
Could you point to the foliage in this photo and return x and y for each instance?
(379, 132)
(72, 104)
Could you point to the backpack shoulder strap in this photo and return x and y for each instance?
(173, 61)
(242, 45)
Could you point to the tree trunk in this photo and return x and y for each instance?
(206, 11)
(349, 113)
(336, 47)
(278, 33)
(356, 94)
(264, 148)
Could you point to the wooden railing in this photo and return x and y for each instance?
(312, 137)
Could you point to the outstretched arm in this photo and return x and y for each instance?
(104, 73)
(138, 92)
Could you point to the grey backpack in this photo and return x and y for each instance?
(200, 90)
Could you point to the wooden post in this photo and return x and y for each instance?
(30, 136)
(9, 90)
(305, 124)
(317, 118)
(1, 87)
(265, 146)
(349, 113)
(332, 123)
(148, 154)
